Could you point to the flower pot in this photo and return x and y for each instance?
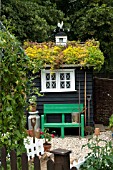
(97, 131)
(31, 133)
(27, 131)
(37, 134)
(47, 147)
(33, 108)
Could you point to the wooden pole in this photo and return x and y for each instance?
(85, 97)
(62, 157)
(79, 107)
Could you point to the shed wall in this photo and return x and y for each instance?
(68, 97)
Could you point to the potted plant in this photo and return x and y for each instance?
(111, 123)
(47, 137)
(33, 103)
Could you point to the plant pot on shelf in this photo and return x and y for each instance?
(32, 108)
(47, 147)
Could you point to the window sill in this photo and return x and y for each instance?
(58, 91)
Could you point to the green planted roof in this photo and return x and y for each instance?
(83, 54)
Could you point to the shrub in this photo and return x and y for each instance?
(100, 157)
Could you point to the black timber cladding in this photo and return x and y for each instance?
(68, 97)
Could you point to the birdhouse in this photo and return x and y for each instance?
(61, 38)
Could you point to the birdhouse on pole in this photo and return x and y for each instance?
(61, 37)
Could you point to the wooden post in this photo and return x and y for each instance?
(13, 159)
(85, 97)
(3, 158)
(79, 108)
(50, 165)
(24, 160)
(36, 163)
(62, 156)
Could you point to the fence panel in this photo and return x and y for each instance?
(37, 163)
(24, 160)
(3, 158)
(59, 166)
(13, 160)
(73, 168)
(50, 165)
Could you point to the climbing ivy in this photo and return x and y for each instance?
(14, 89)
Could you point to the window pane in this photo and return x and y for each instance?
(53, 84)
(68, 84)
(62, 84)
(62, 77)
(58, 80)
(47, 85)
(47, 76)
(60, 40)
(53, 76)
(67, 76)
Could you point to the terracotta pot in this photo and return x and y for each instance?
(47, 147)
(37, 134)
(27, 131)
(97, 131)
(31, 133)
(32, 108)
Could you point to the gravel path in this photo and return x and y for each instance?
(75, 144)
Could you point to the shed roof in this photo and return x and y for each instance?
(61, 34)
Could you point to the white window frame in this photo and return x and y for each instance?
(58, 89)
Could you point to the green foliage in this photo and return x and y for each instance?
(111, 121)
(100, 157)
(94, 19)
(13, 92)
(32, 99)
(47, 136)
(87, 54)
(34, 21)
(14, 89)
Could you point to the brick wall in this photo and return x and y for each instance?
(103, 100)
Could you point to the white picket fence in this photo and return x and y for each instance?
(33, 148)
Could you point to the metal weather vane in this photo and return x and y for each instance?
(60, 25)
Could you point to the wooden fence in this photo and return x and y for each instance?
(61, 161)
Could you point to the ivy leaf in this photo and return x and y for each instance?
(9, 109)
(8, 97)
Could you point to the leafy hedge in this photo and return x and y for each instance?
(14, 89)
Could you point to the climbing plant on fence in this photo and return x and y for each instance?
(14, 88)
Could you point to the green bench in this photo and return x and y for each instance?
(63, 109)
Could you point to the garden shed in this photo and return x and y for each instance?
(65, 75)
